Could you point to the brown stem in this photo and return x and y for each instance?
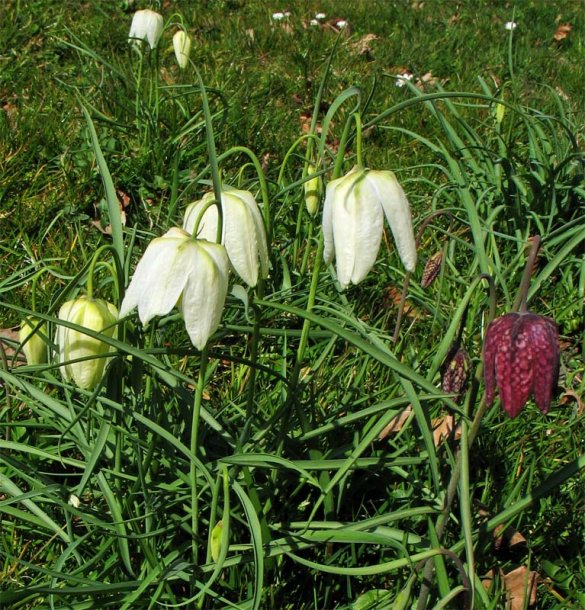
(521, 297)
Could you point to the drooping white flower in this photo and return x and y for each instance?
(278, 16)
(342, 23)
(353, 218)
(146, 25)
(510, 25)
(243, 232)
(177, 269)
(182, 47)
(320, 16)
(96, 315)
(313, 22)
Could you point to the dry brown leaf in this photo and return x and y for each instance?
(265, 161)
(362, 46)
(396, 423)
(488, 580)
(570, 394)
(521, 587)
(507, 538)
(8, 338)
(443, 427)
(393, 295)
(562, 32)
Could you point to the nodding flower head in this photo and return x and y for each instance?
(146, 25)
(521, 358)
(353, 219)
(176, 269)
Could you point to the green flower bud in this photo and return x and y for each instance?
(182, 47)
(313, 192)
(35, 348)
(96, 315)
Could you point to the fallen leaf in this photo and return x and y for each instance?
(443, 427)
(393, 295)
(488, 580)
(8, 340)
(396, 423)
(362, 46)
(507, 538)
(570, 394)
(520, 586)
(562, 32)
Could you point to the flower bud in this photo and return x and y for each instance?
(35, 348)
(455, 374)
(182, 47)
(313, 191)
(96, 315)
(431, 270)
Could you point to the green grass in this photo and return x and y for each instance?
(274, 429)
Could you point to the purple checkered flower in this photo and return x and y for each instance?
(521, 358)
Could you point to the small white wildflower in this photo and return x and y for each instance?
(278, 16)
(74, 501)
(510, 25)
(313, 22)
(341, 24)
(320, 16)
(402, 78)
(287, 14)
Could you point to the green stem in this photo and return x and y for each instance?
(261, 181)
(211, 152)
(358, 139)
(194, 446)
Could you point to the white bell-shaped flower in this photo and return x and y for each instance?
(182, 47)
(94, 314)
(176, 269)
(353, 218)
(146, 25)
(243, 232)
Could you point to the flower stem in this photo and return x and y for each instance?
(193, 449)
(521, 297)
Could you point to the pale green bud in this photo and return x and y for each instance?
(35, 349)
(215, 542)
(182, 47)
(313, 192)
(96, 315)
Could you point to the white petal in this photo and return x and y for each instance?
(357, 222)
(260, 234)
(204, 295)
(397, 211)
(239, 234)
(327, 222)
(159, 277)
(208, 224)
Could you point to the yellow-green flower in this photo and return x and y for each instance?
(35, 348)
(182, 47)
(96, 315)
